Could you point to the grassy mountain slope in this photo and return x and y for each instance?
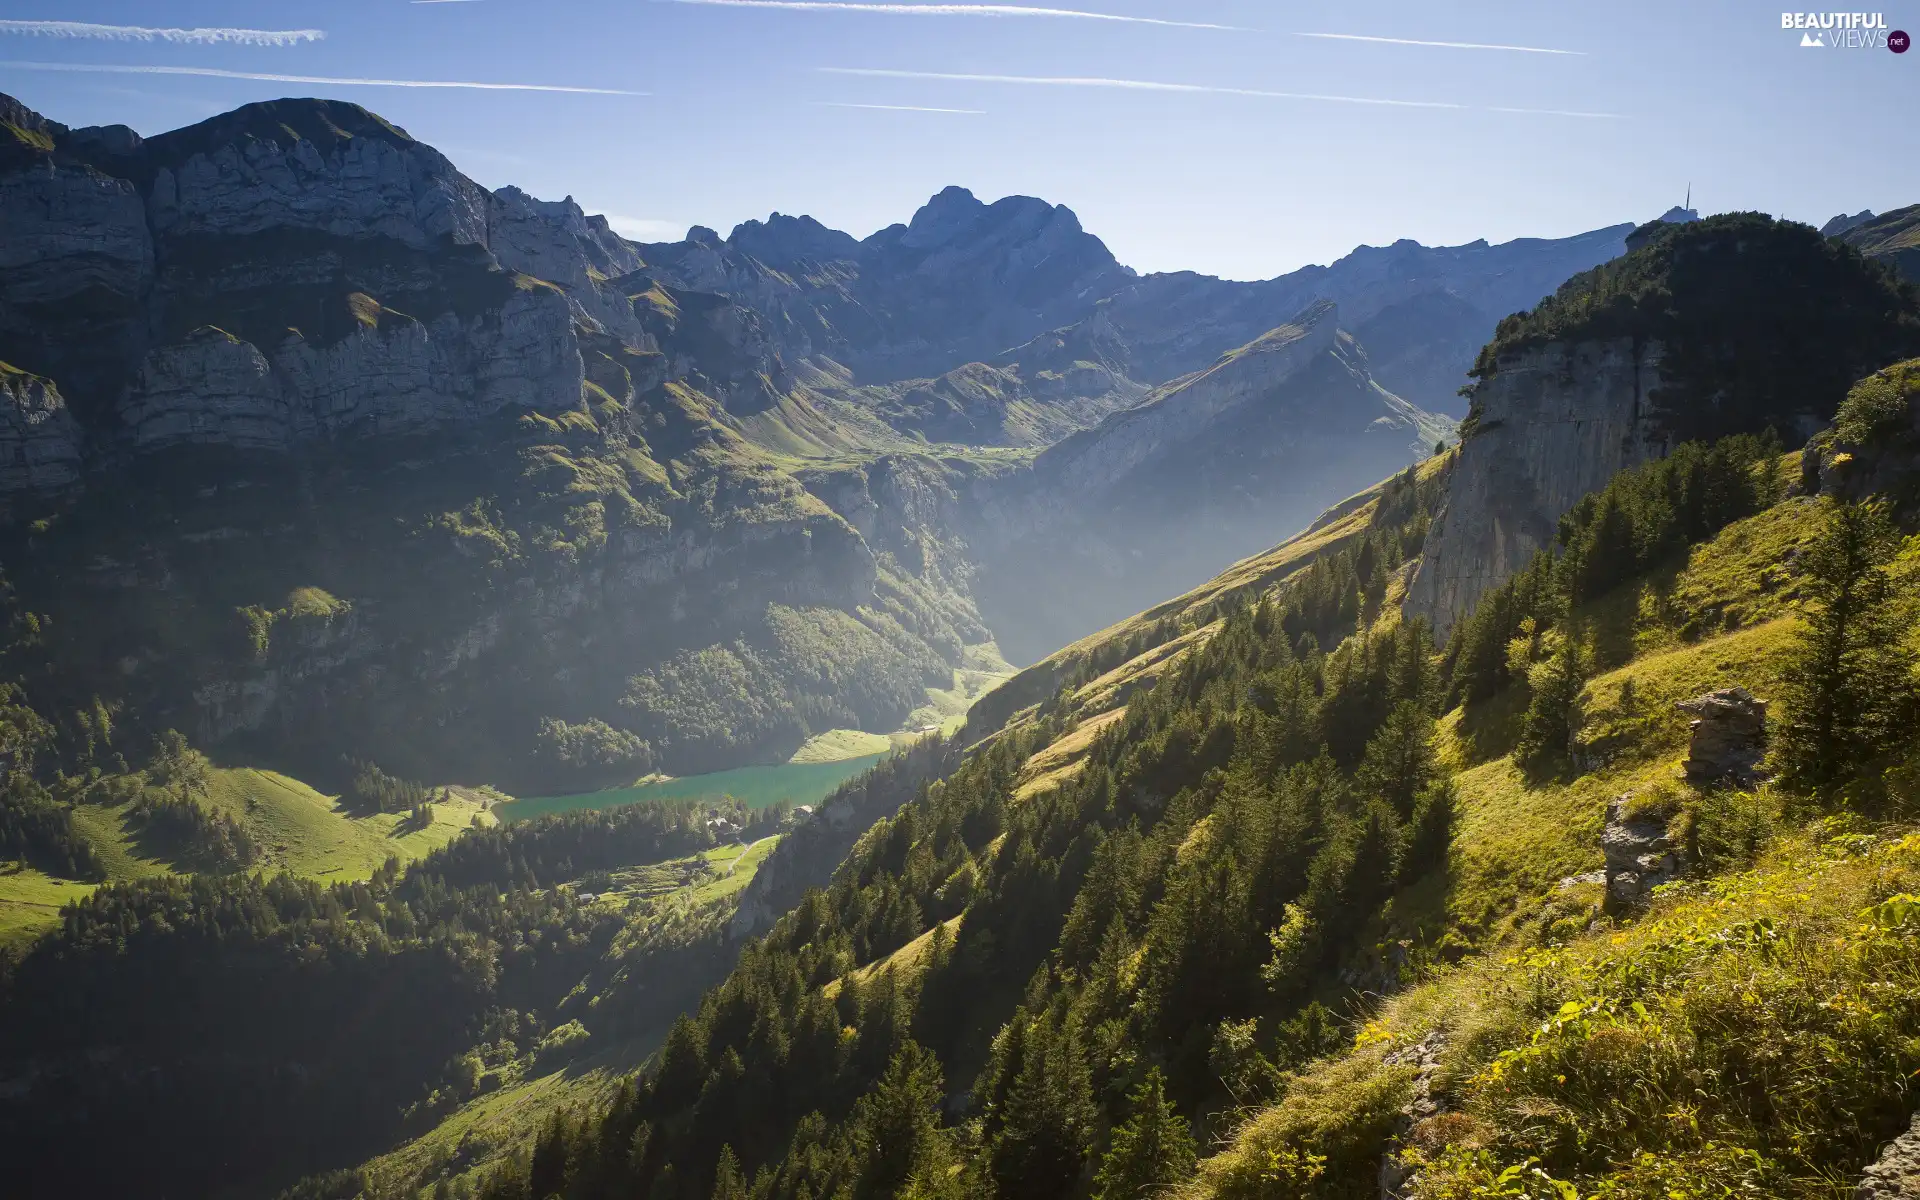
(302, 832)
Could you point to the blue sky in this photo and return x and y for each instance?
(1280, 153)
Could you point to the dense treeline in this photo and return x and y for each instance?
(235, 1031)
(1760, 321)
(35, 827)
(371, 790)
(567, 846)
(1097, 966)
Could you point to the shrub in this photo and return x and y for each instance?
(1880, 406)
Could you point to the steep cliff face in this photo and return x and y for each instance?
(39, 440)
(1555, 423)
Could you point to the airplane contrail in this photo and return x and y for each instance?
(147, 33)
(330, 80)
(1144, 85)
(953, 10)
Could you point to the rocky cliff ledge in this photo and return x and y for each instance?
(39, 442)
(1553, 423)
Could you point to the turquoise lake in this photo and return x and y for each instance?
(756, 787)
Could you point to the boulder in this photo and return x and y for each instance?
(1896, 1176)
(1729, 737)
(1640, 855)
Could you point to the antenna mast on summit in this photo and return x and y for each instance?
(1689, 204)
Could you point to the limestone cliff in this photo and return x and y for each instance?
(1555, 423)
(39, 441)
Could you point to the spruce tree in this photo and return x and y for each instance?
(1546, 732)
(1153, 1151)
(729, 1182)
(1399, 761)
(1047, 1118)
(1849, 685)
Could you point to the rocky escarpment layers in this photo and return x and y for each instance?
(1554, 423)
(393, 375)
(39, 440)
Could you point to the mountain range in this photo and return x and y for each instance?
(313, 446)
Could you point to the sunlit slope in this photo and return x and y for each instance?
(1102, 669)
(300, 830)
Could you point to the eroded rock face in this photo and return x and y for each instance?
(212, 389)
(1640, 855)
(555, 240)
(358, 178)
(1555, 423)
(69, 232)
(39, 441)
(1729, 737)
(393, 376)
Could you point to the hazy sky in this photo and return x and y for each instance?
(1277, 144)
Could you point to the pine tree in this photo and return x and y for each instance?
(1546, 732)
(1046, 1120)
(1154, 1150)
(729, 1182)
(1606, 553)
(1399, 761)
(899, 1123)
(1431, 833)
(1849, 686)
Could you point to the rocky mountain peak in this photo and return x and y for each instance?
(956, 219)
(25, 135)
(283, 123)
(943, 218)
(1844, 223)
(781, 241)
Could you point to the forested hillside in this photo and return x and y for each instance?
(241, 1030)
(1269, 896)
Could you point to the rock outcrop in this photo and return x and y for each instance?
(1896, 1174)
(1640, 856)
(1553, 424)
(1729, 737)
(1875, 448)
(1396, 1175)
(39, 441)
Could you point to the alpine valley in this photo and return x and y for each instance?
(1513, 799)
